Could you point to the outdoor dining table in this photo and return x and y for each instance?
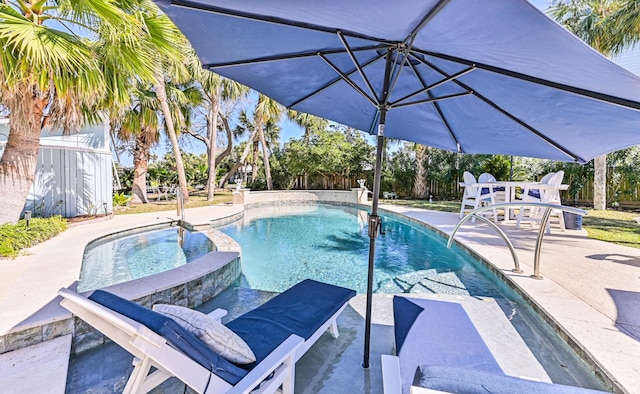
(510, 188)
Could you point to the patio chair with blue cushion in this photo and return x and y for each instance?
(548, 191)
(439, 349)
(276, 333)
(474, 197)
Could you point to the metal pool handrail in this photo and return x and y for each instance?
(543, 225)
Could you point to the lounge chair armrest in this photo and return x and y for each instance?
(391, 382)
(286, 350)
(218, 314)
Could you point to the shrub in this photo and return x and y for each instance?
(120, 200)
(17, 236)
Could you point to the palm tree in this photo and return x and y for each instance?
(608, 26)
(267, 109)
(141, 124)
(245, 125)
(54, 76)
(216, 90)
(420, 178)
(310, 123)
(172, 70)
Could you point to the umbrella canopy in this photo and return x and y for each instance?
(494, 77)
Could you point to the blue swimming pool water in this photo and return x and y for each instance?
(285, 245)
(136, 254)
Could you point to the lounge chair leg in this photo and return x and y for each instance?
(141, 369)
(333, 329)
(289, 382)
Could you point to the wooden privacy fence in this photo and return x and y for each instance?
(628, 196)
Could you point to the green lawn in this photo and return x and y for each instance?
(195, 201)
(619, 227)
(613, 226)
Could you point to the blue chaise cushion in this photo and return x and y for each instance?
(405, 314)
(299, 310)
(462, 380)
(535, 193)
(437, 332)
(174, 334)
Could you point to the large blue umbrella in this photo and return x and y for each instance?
(495, 77)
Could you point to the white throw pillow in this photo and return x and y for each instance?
(218, 337)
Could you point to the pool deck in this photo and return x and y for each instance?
(590, 288)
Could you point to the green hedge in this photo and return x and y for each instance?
(15, 237)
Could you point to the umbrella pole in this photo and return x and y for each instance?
(374, 228)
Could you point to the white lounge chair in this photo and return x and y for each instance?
(278, 332)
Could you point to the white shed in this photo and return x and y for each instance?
(74, 175)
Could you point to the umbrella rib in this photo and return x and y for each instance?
(505, 112)
(433, 86)
(355, 62)
(270, 19)
(405, 57)
(436, 105)
(407, 44)
(433, 99)
(332, 82)
(528, 127)
(540, 81)
(427, 18)
(288, 56)
(515, 119)
(348, 80)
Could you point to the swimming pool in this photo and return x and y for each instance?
(283, 245)
(139, 253)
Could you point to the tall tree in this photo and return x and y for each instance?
(216, 90)
(54, 76)
(267, 110)
(140, 123)
(420, 178)
(310, 123)
(246, 124)
(172, 70)
(608, 26)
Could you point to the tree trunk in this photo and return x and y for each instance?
(212, 141)
(20, 157)
(240, 162)
(161, 93)
(227, 151)
(265, 158)
(140, 166)
(600, 182)
(420, 178)
(254, 163)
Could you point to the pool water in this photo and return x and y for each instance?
(136, 254)
(331, 244)
(285, 244)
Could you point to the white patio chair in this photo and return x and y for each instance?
(473, 196)
(548, 192)
(498, 191)
(278, 332)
